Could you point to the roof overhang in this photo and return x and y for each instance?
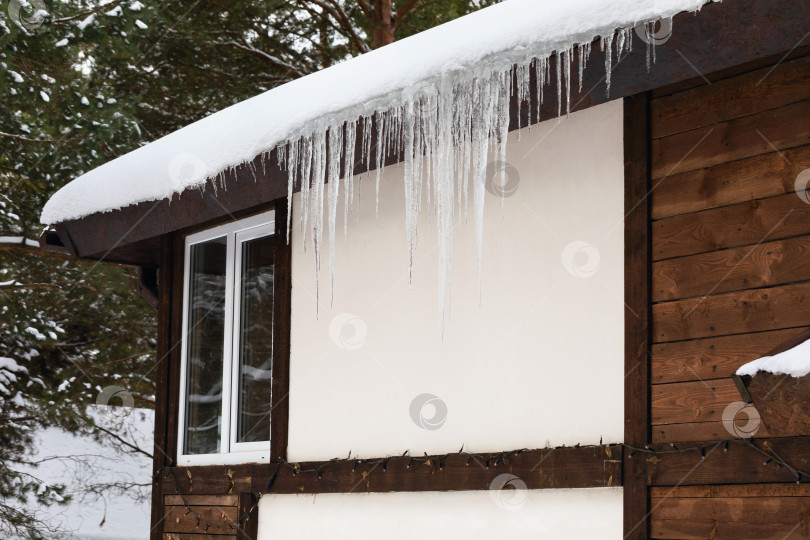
(723, 38)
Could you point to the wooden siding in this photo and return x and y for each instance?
(730, 273)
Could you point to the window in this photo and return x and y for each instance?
(229, 296)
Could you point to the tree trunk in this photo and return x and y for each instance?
(384, 24)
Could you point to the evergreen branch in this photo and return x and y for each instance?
(403, 12)
(85, 14)
(246, 46)
(25, 139)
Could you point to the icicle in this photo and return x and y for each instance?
(292, 172)
(558, 66)
(306, 182)
(567, 67)
(348, 188)
(318, 185)
(379, 124)
(335, 147)
(584, 54)
(607, 48)
(410, 188)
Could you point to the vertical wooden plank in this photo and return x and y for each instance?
(249, 526)
(637, 294)
(282, 290)
(160, 457)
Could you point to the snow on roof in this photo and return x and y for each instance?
(511, 32)
(794, 362)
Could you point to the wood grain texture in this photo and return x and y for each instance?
(745, 490)
(695, 401)
(762, 265)
(730, 183)
(201, 500)
(732, 313)
(743, 224)
(775, 129)
(699, 431)
(738, 464)
(587, 466)
(731, 518)
(712, 358)
(766, 88)
(178, 520)
(783, 402)
(186, 536)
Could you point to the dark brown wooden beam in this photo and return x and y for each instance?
(163, 408)
(583, 467)
(722, 36)
(637, 294)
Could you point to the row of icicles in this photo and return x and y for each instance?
(445, 131)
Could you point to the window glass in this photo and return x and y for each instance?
(205, 334)
(256, 341)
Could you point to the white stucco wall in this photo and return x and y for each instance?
(538, 363)
(538, 514)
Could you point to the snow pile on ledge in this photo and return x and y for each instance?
(794, 362)
(478, 45)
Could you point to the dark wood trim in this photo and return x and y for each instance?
(282, 316)
(163, 406)
(571, 467)
(637, 295)
(716, 39)
(248, 512)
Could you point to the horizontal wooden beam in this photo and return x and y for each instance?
(568, 467)
(717, 39)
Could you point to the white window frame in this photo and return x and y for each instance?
(231, 452)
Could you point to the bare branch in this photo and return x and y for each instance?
(336, 11)
(26, 139)
(124, 442)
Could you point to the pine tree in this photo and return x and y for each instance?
(86, 81)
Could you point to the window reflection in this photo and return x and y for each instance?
(256, 340)
(206, 334)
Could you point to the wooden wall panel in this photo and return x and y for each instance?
(744, 224)
(712, 358)
(739, 181)
(762, 265)
(775, 129)
(750, 93)
(730, 241)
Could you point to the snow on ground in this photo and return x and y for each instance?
(79, 462)
(514, 31)
(794, 362)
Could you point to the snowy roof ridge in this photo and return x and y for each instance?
(514, 31)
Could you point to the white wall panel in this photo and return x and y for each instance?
(537, 514)
(537, 362)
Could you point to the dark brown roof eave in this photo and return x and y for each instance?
(723, 37)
